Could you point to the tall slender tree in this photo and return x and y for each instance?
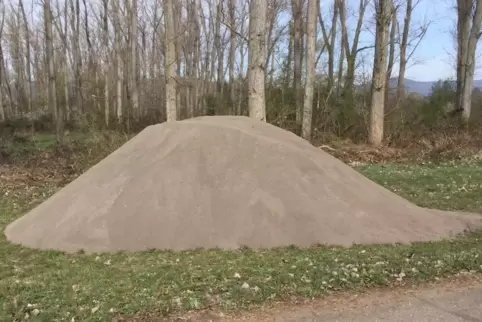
(469, 20)
(49, 57)
(377, 113)
(257, 59)
(310, 69)
(170, 62)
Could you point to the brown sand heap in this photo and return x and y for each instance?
(224, 182)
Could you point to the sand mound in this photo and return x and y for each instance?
(224, 182)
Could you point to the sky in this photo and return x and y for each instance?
(433, 59)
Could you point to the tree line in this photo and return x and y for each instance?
(299, 64)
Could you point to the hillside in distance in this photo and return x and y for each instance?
(423, 87)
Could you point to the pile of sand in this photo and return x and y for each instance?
(224, 182)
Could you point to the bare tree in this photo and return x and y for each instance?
(77, 59)
(49, 56)
(297, 11)
(409, 38)
(469, 19)
(118, 59)
(105, 40)
(310, 69)
(351, 53)
(134, 68)
(329, 41)
(170, 62)
(257, 59)
(28, 61)
(232, 52)
(220, 55)
(382, 17)
(62, 30)
(403, 51)
(391, 50)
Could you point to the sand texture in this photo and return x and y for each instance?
(227, 182)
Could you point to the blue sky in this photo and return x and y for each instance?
(434, 57)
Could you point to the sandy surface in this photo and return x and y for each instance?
(225, 182)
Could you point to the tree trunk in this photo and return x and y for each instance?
(310, 69)
(66, 65)
(329, 40)
(28, 58)
(391, 53)
(105, 39)
(351, 54)
(232, 54)
(383, 16)
(49, 55)
(468, 34)
(75, 26)
(134, 73)
(196, 60)
(220, 54)
(118, 61)
(2, 109)
(170, 61)
(257, 59)
(297, 9)
(289, 59)
(403, 52)
(2, 61)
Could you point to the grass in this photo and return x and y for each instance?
(451, 185)
(52, 286)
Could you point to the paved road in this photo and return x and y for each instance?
(456, 300)
(429, 305)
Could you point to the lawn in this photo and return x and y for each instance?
(52, 286)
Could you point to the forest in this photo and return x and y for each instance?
(81, 65)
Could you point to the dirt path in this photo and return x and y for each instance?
(454, 300)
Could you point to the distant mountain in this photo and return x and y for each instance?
(423, 88)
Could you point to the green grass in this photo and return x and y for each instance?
(448, 185)
(96, 287)
(27, 144)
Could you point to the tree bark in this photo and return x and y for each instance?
(468, 34)
(257, 59)
(75, 26)
(220, 56)
(351, 54)
(49, 56)
(134, 73)
(2, 61)
(382, 17)
(310, 69)
(329, 40)
(403, 52)
(391, 53)
(118, 61)
(105, 39)
(232, 53)
(297, 9)
(28, 61)
(170, 62)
